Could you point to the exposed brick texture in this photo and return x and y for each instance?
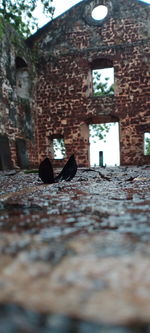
(67, 47)
(64, 105)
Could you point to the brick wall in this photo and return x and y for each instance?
(59, 102)
(67, 47)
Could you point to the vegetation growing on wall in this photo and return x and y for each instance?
(1, 27)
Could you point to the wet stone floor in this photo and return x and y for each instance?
(75, 256)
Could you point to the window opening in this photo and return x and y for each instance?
(22, 78)
(103, 81)
(147, 143)
(22, 153)
(20, 63)
(99, 12)
(59, 150)
(104, 144)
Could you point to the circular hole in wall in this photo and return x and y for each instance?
(99, 12)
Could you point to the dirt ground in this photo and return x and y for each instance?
(75, 256)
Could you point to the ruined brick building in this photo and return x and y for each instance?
(47, 89)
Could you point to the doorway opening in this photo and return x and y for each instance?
(104, 144)
(22, 153)
(22, 79)
(5, 154)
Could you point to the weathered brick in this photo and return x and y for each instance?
(62, 101)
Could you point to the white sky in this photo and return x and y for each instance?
(63, 5)
(109, 146)
(60, 7)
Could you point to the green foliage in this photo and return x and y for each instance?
(21, 13)
(99, 131)
(101, 88)
(59, 148)
(147, 146)
(1, 27)
(31, 171)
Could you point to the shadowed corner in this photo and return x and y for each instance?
(68, 172)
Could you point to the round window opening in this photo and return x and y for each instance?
(99, 13)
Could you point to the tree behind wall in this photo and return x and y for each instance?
(20, 13)
(147, 146)
(100, 89)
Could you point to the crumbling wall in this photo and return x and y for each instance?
(16, 89)
(68, 46)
